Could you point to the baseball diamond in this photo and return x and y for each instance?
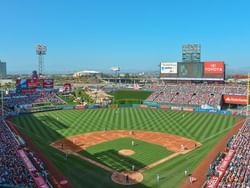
(84, 145)
(115, 94)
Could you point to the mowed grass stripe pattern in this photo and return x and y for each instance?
(145, 153)
(57, 124)
(47, 127)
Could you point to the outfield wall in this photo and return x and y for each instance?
(213, 111)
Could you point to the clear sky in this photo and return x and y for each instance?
(133, 34)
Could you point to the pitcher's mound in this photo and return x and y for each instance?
(126, 152)
(127, 178)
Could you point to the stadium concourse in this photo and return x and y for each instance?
(20, 166)
(194, 94)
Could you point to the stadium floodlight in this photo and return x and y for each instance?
(191, 53)
(115, 69)
(41, 50)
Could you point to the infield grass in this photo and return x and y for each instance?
(107, 153)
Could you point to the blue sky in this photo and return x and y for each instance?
(133, 34)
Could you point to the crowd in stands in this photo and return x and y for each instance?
(48, 96)
(237, 173)
(18, 170)
(38, 164)
(12, 170)
(19, 166)
(15, 100)
(193, 94)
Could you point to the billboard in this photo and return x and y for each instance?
(67, 87)
(18, 83)
(32, 83)
(200, 71)
(168, 67)
(21, 84)
(214, 69)
(190, 70)
(233, 99)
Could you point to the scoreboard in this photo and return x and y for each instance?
(210, 71)
(30, 85)
(190, 70)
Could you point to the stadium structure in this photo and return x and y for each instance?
(189, 129)
(85, 73)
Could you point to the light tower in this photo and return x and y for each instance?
(116, 70)
(41, 51)
(191, 53)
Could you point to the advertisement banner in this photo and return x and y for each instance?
(26, 160)
(18, 83)
(21, 84)
(27, 91)
(32, 83)
(40, 182)
(169, 67)
(48, 83)
(213, 111)
(186, 109)
(235, 99)
(212, 182)
(67, 87)
(214, 67)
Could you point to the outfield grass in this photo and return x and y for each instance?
(107, 153)
(68, 99)
(129, 96)
(47, 127)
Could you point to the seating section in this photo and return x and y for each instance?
(19, 166)
(232, 167)
(12, 170)
(12, 100)
(193, 94)
(238, 171)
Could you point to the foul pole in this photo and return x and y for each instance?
(248, 93)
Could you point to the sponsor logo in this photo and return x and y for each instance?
(235, 99)
(169, 67)
(214, 67)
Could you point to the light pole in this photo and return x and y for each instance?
(2, 103)
(116, 70)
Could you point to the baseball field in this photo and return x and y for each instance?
(129, 96)
(87, 146)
